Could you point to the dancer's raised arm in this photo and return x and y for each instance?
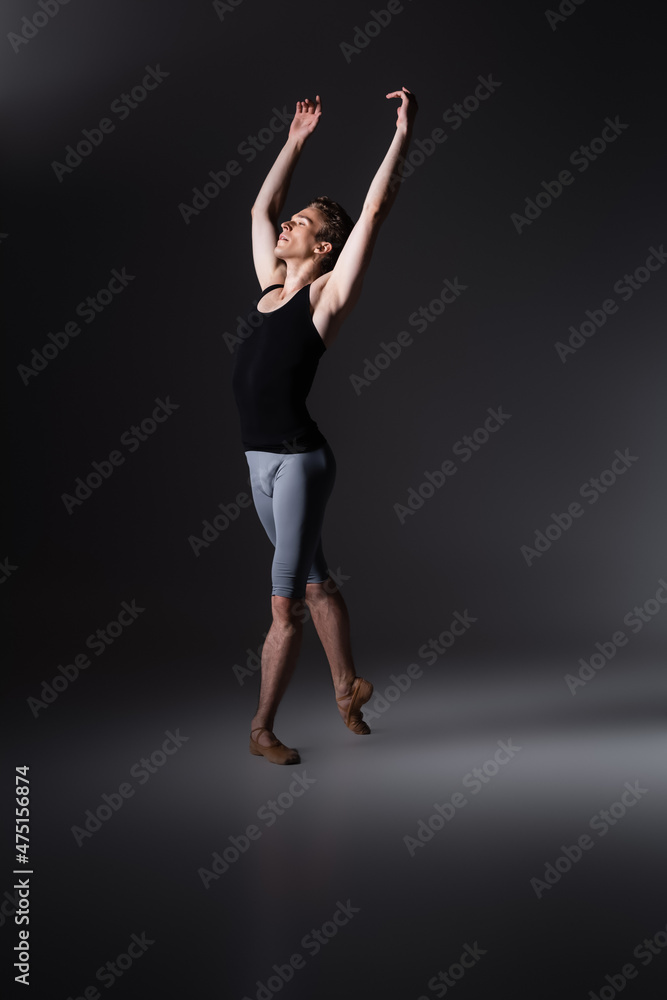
(273, 192)
(344, 284)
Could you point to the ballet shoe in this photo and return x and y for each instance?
(361, 692)
(276, 753)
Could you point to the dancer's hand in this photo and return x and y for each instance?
(408, 108)
(305, 118)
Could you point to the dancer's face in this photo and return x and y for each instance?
(297, 237)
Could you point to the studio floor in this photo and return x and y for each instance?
(495, 835)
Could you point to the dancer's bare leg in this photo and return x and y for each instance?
(279, 655)
(332, 621)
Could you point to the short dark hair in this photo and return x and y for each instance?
(336, 228)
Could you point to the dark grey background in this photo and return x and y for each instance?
(174, 667)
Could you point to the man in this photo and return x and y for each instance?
(311, 277)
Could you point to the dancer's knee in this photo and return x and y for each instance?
(318, 593)
(287, 612)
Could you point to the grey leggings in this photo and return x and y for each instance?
(290, 494)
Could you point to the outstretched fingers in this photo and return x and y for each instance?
(309, 107)
(404, 94)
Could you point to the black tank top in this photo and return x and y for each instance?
(273, 373)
